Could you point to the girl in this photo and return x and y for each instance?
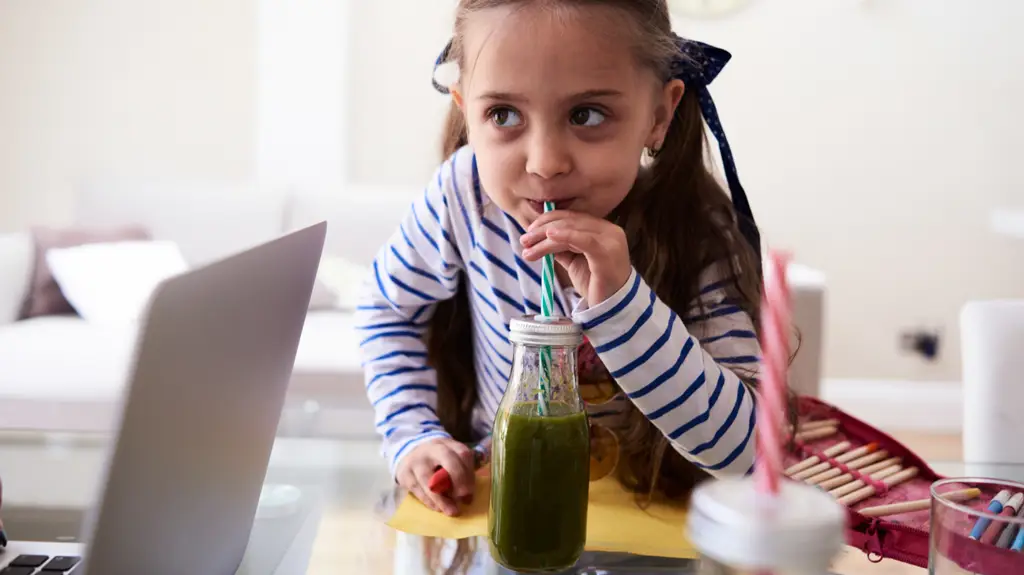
(594, 105)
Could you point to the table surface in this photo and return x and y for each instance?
(337, 527)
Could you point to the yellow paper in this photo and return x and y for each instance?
(614, 521)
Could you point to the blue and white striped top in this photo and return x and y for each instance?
(678, 370)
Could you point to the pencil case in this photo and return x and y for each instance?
(903, 537)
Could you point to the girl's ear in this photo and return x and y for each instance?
(665, 109)
(457, 97)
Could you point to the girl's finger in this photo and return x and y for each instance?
(441, 502)
(581, 242)
(418, 493)
(565, 259)
(465, 454)
(408, 481)
(531, 238)
(580, 218)
(545, 247)
(574, 220)
(461, 474)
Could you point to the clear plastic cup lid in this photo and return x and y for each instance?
(729, 521)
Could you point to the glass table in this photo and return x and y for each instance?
(50, 479)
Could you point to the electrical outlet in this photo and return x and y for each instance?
(924, 342)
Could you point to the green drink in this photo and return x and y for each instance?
(540, 457)
(539, 487)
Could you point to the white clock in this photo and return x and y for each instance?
(706, 8)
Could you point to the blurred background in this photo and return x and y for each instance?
(877, 141)
(876, 137)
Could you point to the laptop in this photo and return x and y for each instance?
(198, 420)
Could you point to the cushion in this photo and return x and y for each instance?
(323, 297)
(330, 345)
(15, 273)
(113, 282)
(44, 296)
(344, 279)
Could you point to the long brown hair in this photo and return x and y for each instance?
(679, 221)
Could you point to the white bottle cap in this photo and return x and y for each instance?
(802, 529)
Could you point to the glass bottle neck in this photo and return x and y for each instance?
(542, 373)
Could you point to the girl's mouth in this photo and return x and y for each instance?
(538, 206)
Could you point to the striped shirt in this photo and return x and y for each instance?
(677, 368)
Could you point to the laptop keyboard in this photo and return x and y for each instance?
(41, 565)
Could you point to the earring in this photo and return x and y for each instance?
(653, 151)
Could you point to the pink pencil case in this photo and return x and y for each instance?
(902, 537)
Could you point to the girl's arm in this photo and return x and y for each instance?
(416, 268)
(682, 372)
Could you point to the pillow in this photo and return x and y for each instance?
(15, 274)
(344, 279)
(323, 297)
(44, 295)
(111, 283)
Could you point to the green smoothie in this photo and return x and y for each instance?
(539, 488)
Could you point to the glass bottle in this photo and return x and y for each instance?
(540, 458)
(737, 532)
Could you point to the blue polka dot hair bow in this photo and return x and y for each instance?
(697, 66)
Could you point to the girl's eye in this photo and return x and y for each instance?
(505, 117)
(588, 117)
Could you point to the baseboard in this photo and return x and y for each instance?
(923, 406)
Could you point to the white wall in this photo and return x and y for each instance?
(872, 136)
(120, 89)
(302, 93)
(396, 116)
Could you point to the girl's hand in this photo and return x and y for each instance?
(593, 251)
(416, 468)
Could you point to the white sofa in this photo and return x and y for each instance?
(62, 373)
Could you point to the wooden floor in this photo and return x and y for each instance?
(350, 542)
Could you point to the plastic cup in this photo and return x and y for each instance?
(965, 536)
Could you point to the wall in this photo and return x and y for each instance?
(301, 93)
(396, 115)
(872, 136)
(112, 89)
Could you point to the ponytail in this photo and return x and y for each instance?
(679, 221)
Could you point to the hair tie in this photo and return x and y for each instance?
(441, 60)
(697, 66)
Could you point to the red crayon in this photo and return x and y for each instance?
(1011, 508)
(441, 483)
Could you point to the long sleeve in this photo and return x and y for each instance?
(415, 269)
(681, 372)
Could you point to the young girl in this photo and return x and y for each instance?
(561, 101)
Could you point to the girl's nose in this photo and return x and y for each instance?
(548, 157)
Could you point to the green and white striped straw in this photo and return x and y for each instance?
(547, 309)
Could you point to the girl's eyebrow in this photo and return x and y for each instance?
(503, 96)
(585, 95)
(588, 94)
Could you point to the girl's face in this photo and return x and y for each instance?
(558, 109)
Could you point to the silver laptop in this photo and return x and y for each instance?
(198, 420)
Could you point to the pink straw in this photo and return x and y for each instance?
(771, 406)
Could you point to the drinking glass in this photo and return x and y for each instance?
(966, 538)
